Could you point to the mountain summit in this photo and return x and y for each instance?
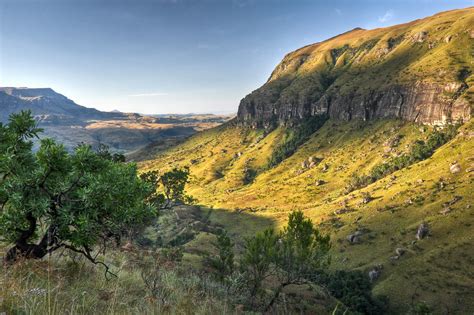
(45, 103)
(419, 71)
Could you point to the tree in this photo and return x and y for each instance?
(301, 253)
(224, 261)
(296, 255)
(52, 199)
(257, 260)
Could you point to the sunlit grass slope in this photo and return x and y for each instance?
(436, 270)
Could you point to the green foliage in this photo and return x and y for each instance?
(171, 184)
(224, 262)
(353, 288)
(419, 151)
(295, 255)
(53, 199)
(257, 259)
(294, 138)
(174, 182)
(301, 250)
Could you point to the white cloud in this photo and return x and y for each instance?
(148, 94)
(386, 17)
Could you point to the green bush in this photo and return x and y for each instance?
(294, 138)
(353, 289)
(419, 151)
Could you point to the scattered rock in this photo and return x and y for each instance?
(304, 164)
(325, 167)
(420, 37)
(355, 237)
(422, 231)
(375, 272)
(452, 201)
(319, 182)
(366, 198)
(419, 181)
(445, 211)
(455, 168)
(448, 38)
(342, 211)
(400, 251)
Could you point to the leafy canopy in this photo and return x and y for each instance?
(51, 198)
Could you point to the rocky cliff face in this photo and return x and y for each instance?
(420, 71)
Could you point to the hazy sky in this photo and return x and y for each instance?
(174, 56)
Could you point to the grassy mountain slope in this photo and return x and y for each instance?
(224, 160)
(419, 71)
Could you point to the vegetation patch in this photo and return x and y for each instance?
(294, 137)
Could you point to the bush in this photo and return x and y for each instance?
(224, 261)
(294, 138)
(295, 256)
(419, 151)
(353, 288)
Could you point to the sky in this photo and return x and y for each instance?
(174, 56)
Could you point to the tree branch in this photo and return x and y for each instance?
(86, 252)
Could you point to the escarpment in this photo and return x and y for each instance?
(420, 71)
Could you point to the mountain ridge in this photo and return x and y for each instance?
(418, 71)
(44, 103)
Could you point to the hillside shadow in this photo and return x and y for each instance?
(240, 224)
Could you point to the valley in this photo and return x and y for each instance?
(344, 185)
(72, 124)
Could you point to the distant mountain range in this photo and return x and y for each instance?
(47, 104)
(71, 124)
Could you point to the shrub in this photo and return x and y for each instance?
(295, 255)
(224, 261)
(295, 137)
(353, 288)
(419, 151)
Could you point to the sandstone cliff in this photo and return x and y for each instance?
(420, 71)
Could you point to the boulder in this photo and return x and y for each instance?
(355, 237)
(420, 37)
(422, 231)
(375, 272)
(400, 251)
(319, 182)
(455, 168)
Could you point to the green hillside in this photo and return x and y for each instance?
(322, 136)
(229, 168)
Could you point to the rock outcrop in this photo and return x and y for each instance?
(364, 75)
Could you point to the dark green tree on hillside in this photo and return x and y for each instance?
(296, 255)
(52, 199)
